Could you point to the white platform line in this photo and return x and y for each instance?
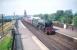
(39, 43)
(22, 25)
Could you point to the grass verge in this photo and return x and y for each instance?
(6, 43)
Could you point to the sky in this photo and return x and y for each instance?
(8, 7)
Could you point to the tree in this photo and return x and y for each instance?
(75, 14)
(41, 16)
(53, 17)
(58, 14)
(68, 15)
(62, 19)
(75, 21)
(46, 16)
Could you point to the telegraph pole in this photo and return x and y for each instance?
(2, 25)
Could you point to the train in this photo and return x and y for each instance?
(44, 25)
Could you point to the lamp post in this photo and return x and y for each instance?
(13, 18)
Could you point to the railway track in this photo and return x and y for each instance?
(7, 26)
(53, 42)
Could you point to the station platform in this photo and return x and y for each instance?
(69, 33)
(28, 39)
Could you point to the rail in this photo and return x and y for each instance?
(7, 26)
